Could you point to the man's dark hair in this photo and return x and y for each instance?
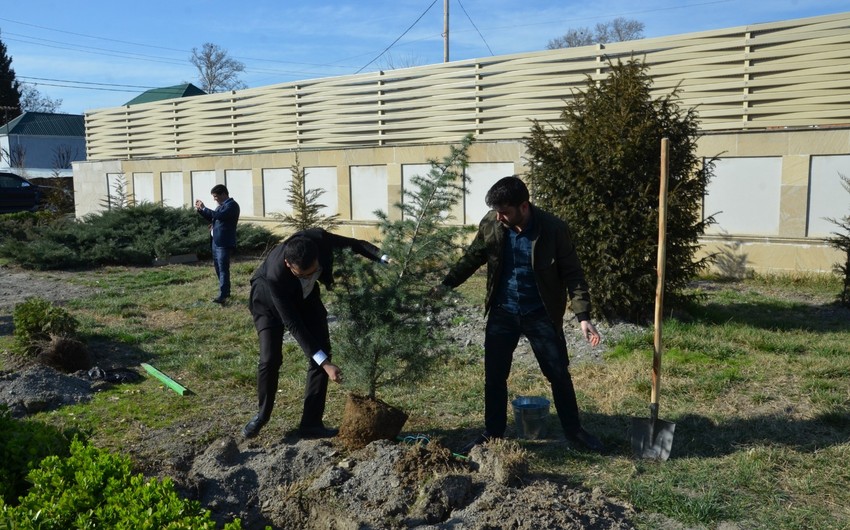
(220, 189)
(301, 251)
(508, 191)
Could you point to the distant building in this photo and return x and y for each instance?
(41, 144)
(169, 92)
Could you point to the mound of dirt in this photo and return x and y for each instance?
(311, 485)
(40, 388)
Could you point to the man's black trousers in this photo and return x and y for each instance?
(271, 358)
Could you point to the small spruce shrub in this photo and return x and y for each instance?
(305, 208)
(59, 194)
(36, 320)
(386, 332)
(93, 488)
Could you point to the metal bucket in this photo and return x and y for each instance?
(530, 416)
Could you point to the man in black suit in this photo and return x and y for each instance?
(285, 297)
(222, 234)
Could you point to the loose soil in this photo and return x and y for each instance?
(313, 484)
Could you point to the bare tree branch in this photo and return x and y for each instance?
(618, 30)
(217, 71)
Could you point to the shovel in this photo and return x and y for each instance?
(653, 438)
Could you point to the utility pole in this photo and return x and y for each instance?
(445, 31)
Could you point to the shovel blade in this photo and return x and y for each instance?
(652, 438)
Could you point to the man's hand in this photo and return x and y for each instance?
(199, 204)
(333, 371)
(590, 333)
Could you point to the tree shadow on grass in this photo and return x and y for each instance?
(697, 436)
(780, 316)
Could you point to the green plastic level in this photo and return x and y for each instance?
(170, 383)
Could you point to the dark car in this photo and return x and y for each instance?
(17, 194)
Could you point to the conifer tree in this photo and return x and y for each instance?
(305, 205)
(386, 332)
(599, 171)
(10, 88)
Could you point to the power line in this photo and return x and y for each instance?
(86, 87)
(476, 27)
(83, 82)
(141, 57)
(90, 36)
(65, 45)
(88, 49)
(398, 39)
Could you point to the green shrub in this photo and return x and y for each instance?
(95, 489)
(36, 320)
(599, 171)
(22, 445)
(134, 235)
(253, 239)
(14, 226)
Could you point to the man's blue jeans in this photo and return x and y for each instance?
(549, 347)
(221, 260)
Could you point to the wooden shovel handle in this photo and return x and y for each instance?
(662, 260)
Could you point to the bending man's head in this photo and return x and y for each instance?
(301, 255)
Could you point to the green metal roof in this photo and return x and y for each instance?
(169, 92)
(46, 124)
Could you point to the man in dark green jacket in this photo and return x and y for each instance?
(532, 267)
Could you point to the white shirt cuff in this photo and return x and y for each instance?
(320, 357)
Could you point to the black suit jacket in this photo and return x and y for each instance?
(276, 294)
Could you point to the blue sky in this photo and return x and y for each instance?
(101, 54)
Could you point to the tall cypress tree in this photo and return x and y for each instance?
(598, 169)
(10, 88)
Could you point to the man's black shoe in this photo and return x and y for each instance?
(253, 427)
(319, 431)
(478, 440)
(219, 300)
(583, 440)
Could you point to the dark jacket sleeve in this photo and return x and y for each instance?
(475, 255)
(329, 242)
(558, 271)
(358, 246)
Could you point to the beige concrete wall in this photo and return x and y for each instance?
(788, 251)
